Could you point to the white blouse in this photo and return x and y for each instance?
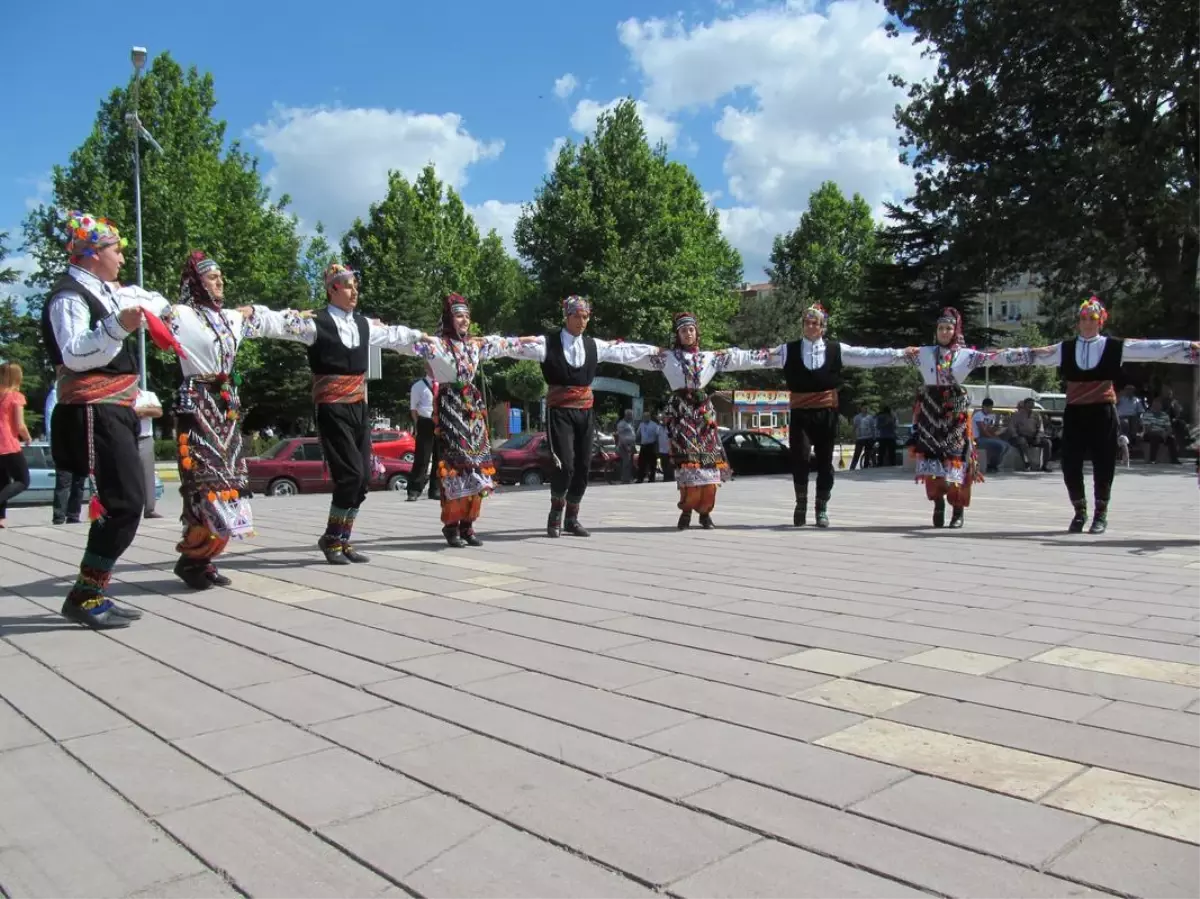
(82, 346)
(457, 362)
(693, 370)
(301, 327)
(812, 355)
(940, 366)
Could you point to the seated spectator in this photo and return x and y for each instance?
(1129, 412)
(1026, 430)
(1157, 431)
(987, 435)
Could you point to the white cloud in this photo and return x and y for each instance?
(552, 152)
(801, 97)
(334, 162)
(501, 216)
(658, 126)
(565, 86)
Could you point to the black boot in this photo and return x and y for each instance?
(706, 521)
(1100, 521)
(215, 577)
(102, 617)
(353, 554)
(822, 515)
(939, 513)
(450, 532)
(554, 523)
(1080, 519)
(956, 520)
(466, 533)
(801, 512)
(685, 521)
(573, 527)
(192, 574)
(332, 548)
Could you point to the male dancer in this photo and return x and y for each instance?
(85, 326)
(338, 340)
(813, 370)
(569, 360)
(1089, 364)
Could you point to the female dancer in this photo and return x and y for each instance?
(696, 450)
(944, 446)
(464, 450)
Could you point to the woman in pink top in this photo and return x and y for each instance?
(14, 472)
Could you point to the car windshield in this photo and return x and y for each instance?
(514, 443)
(274, 450)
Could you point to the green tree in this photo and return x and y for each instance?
(504, 288)
(525, 384)
(618, 222)
(1065, 143)
(826, 258)
(1041, 378)
(195, 195)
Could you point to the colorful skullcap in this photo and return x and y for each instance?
(88, 234)
(816, 311)
(574, 304)
(1092, 308)
(338, 272)
(683, 319)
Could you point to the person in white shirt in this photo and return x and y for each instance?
(68, 487)
(86, 326)
(986, 435)
(864, 438)
(647, 461)
(339, 338)
(1089, 364)
(420, 407)
(664, 452)
(569, 361)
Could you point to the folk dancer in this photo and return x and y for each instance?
(569, 361)
(944, 445)
(1089, 364)
(813, 367)
(212, 473)
(691, 422)
(338, 339)
(86, 323)
(463, 448)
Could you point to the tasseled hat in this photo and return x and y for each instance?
(574, 304)
(816, 312)
(335, 272)
(1092, 308)
(192, 289)
(952, 316)
(88, 234)
(453, 304)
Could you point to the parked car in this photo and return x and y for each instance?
(297, 465)
(750, 452)
(41, 478)
(394, 444)
(526, 459)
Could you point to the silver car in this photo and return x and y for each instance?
(41, 478)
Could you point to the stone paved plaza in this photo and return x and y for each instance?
(880, 709)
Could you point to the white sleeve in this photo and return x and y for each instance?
(625, 353)
(413, 400)
(82, 346)
(393, 337)
(1179, 351)
(132, 295)
(870, 357)
(286, 325)
(734, 359)
(496, 347)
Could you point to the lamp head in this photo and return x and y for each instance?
(138, 57)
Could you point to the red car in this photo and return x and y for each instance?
(297, 465)
(393, 444)
(526, 459)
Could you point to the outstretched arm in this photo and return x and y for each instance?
(394, 337)
(1184, 352)
(1014, 356)
(132, 295)
(288, 324)
(735, 359)
(496, 347)
(631, 354)
(870, 357)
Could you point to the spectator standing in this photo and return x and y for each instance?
(626, 441)
(420, 405)
(885, 431)
(987, 435)
(68, 488)
(647, 438)
(664, 454)
(14, 470)
(864, 438)
(1157, 430)
(147, 408)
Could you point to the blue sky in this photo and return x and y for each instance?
(762, 100)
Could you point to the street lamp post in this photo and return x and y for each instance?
(138, 57)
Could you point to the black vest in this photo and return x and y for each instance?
(124, 363)
(1108, 369)
(329, 356)
(804, 380)
(558, 373)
